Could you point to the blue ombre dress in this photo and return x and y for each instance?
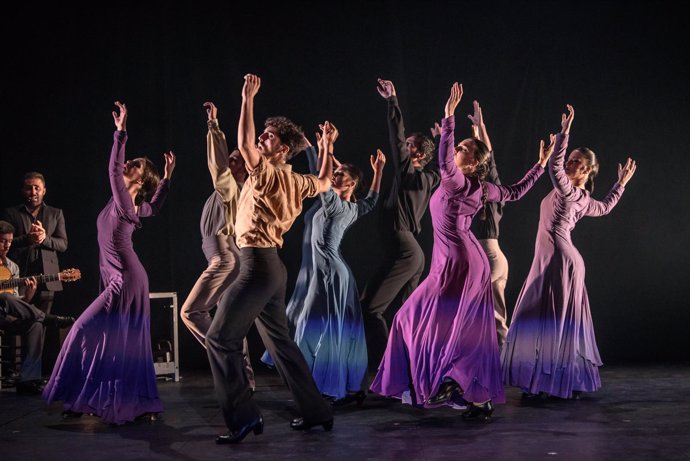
(328, 321)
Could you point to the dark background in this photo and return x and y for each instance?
(624, 66)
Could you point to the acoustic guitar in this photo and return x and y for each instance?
(8, 284)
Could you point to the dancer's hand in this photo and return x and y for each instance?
(252, 83)
(545, 153)
(385, 88)
(211, 110)
(377, 161)
(170, 160)
(626, 172)
(567, 120)
(121, 118)
(453, 99)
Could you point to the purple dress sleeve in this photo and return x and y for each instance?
(557, 172)
(452, 179)
(122, 199)
(513, 192)
(600, 208)
(152, 208)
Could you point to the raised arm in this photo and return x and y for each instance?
(329, 134)
(600, 208)
(559, 178)
(396, 126)
(451, 177)
(499, 193)
(116, 166)
(377, 164)
(246, 133)
(217, 156)
(154, 206)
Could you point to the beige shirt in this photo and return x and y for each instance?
(223, 181)
(270, 201)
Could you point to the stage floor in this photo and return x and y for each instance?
(641, 413)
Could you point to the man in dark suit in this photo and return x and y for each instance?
(39, 235)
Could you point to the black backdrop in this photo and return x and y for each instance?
(624, 66)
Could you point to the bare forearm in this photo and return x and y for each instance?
(246, 134)
(376, 182)
(326, 170)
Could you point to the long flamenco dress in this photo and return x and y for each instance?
(550, 345)
(105, 366)
(329, 328)
(446, 328)
(294, 306)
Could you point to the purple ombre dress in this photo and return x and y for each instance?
(105, 366)
(446, 328)
(550, 345)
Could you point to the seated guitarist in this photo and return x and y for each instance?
(17, 316)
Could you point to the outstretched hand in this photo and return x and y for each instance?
(252, 83)
(377, 161)
(476, 118)
(435, 130)
(545, 152)
(626, 172)
(120, 118)
(385, 88)
(567, 120)
(453, 99)
(211, 110)
(170, 160)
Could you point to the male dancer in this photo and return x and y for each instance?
(270, 201)
(401, 213)
(218, 235)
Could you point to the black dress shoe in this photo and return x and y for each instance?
(237, 436)
(445, 392)
(299, 424)
(69, 414)
(480, 413)
(29, 387)
(58, 321)
(357, 397)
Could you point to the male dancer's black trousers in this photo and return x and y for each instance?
(258, 295)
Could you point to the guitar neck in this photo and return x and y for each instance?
(12, 283)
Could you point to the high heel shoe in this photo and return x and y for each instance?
(237, 436)
(357, 397)
(479, 412)
(299, 424)
(445, 392)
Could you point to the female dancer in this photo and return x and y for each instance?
(105, 366)
(443, 339)
(550, 346)
(329, 328)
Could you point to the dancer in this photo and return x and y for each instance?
(551, 348)
(485, 228)
(270, 201)
(218, 235)
(400, 221)
(443, 339)
(329, 326)
(105, 366)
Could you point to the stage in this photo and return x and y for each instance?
(641, 413)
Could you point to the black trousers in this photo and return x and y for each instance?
(21, 318)
(258, 295)
(398, 275)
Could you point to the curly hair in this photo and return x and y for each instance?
(594, 165)
(425, 145)
(149, 179)
(289, 133)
